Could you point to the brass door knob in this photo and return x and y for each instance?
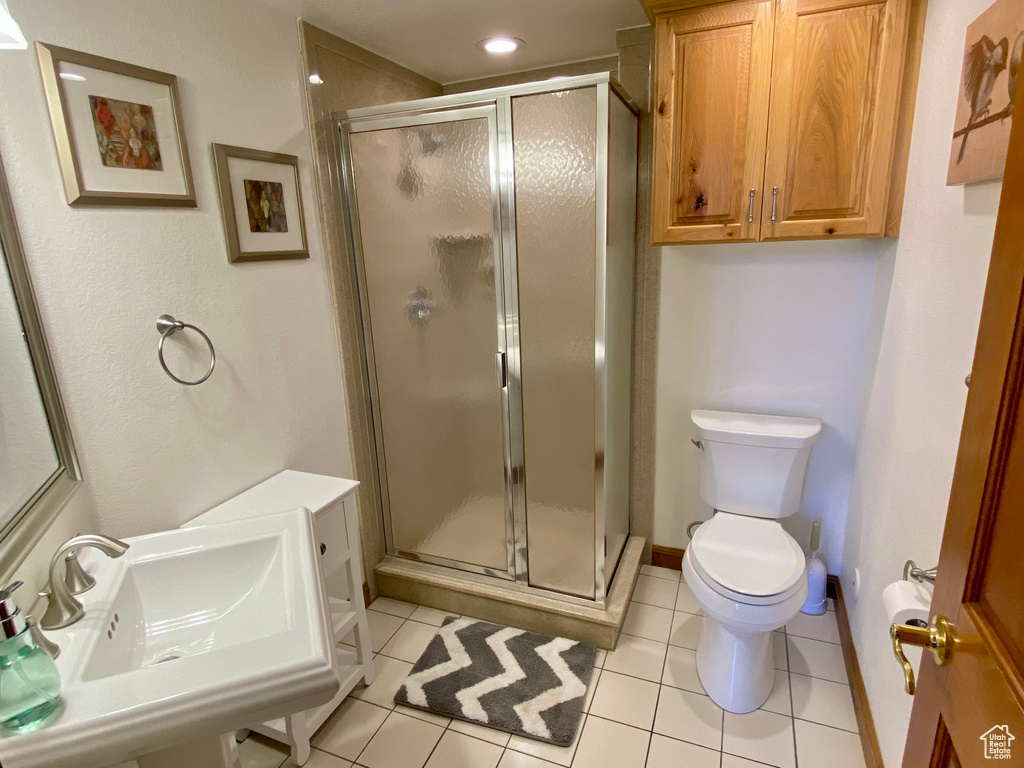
(939, 638)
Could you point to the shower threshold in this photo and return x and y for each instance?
(532, 609)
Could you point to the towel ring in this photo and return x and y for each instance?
(167, 325)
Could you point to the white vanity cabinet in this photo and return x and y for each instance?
(332, 501)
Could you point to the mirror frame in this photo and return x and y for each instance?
(26, 528)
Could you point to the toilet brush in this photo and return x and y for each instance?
(815, 602)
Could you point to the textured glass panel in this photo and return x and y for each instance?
(618, 343)
(426, 223)
(554, 138)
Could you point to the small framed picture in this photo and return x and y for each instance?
(261, 204)
(118, 128)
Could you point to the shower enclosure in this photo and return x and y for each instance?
(493, 235)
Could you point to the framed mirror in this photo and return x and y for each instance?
(38, 466)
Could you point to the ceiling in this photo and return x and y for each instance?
(438, 38)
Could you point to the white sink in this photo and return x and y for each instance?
(192, 633)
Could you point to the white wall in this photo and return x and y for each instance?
(155, 453)
(922, 346)
(773, 328)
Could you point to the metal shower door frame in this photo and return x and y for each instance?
(506, 299)
(500, 100)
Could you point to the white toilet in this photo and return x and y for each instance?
(745, 571)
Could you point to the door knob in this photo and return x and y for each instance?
(939, 638)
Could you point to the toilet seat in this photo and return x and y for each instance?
(748, 559)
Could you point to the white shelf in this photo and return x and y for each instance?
(343, 617)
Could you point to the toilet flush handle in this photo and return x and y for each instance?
(698, 443)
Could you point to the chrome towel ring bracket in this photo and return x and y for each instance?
(167, 325)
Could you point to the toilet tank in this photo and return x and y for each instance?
(754, 464)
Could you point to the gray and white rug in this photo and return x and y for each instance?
(510, 679)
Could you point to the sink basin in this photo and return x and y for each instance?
(165, 609)
(193, 632)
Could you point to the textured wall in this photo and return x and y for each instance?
(155, 453)
(921, 347)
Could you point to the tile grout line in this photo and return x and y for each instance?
(826, 725)
(792, 704)
(360, 753)
(657, 702)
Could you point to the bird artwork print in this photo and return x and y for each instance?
(985, 61)
(993, 54)
(1014, 67)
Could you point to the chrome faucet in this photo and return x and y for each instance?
(62, 608)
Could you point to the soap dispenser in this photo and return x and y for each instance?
(29, 680)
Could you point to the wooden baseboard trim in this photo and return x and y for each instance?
(861, 707)
(667, 557)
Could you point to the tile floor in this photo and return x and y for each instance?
(645, 705)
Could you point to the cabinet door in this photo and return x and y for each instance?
(710, 122)
(836, 81)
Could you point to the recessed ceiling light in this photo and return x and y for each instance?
(500, 44)
(72, 76)
(315, 79)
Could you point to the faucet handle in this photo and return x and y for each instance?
(61, 608)
(75, 576)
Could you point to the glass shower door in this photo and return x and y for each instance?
(427, 223)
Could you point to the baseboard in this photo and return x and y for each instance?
(865, 723)
(667, 557)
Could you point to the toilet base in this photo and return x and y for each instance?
(736, 669)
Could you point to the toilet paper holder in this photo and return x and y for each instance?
(912, 572)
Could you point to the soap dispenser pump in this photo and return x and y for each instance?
(29, 680)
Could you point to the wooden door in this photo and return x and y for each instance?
(980, 585)
(835, 99)
(711, 116)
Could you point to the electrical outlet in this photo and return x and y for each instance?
(856, 583)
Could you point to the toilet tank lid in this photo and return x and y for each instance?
(756, 429)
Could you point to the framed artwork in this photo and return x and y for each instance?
(261, 204)
(988, 86)
(118, 128)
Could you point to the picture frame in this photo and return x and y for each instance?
(993, 54)
(261, 204)
(118, 129)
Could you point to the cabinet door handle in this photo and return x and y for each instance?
(750, 213)
(775, 200)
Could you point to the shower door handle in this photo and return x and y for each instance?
(500, 370)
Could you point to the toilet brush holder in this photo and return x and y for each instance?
(815, 604)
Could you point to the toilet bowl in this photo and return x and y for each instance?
(746, 572)
(735, 659)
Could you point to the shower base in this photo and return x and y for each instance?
(515, 605)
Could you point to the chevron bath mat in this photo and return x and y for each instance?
(509, 679)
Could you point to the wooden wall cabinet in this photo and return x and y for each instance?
(781, 119)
